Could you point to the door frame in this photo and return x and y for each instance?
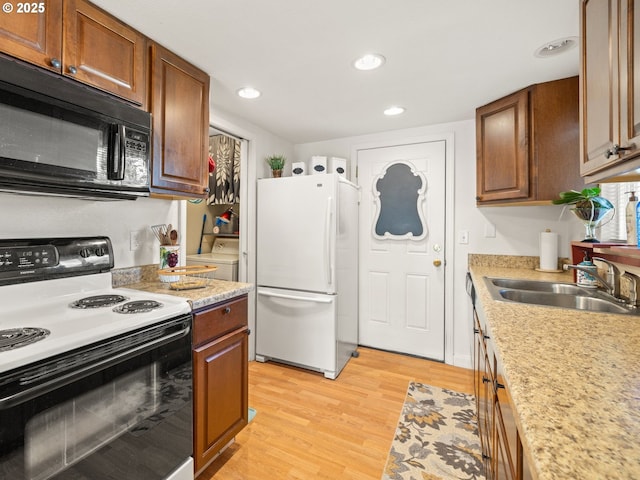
(448, 138)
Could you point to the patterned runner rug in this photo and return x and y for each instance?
(436, 437)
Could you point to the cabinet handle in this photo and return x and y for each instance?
(616, 149)
(487, 337)
(475, 330)
(485, 380)
(72, 70)
(55, 63)
(499, 385)
(226, 310)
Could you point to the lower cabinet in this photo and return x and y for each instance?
(220, 364)
(502, 452)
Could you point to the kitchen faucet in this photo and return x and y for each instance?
(611, 283)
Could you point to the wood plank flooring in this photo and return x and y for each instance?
(308, 427)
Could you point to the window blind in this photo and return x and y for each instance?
(618, 194)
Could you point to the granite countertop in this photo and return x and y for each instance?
(574, 379)
(216, 292)
(145, 278)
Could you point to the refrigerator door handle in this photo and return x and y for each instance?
(295, 297)
(327, 240)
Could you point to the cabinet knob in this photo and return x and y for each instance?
(616, 149)
(478, 199)
(437, 263)
(207, 190)
(55, 63)
(72, 70)
(226, 310)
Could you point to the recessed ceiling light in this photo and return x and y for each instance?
(249, 92)
(395, 110)
(370, 61)
(556, 47)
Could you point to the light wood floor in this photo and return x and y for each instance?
(308, 427)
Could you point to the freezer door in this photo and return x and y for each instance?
(298, 328)
(296, 220)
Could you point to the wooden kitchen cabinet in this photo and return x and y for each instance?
(610, 106)
(502, 451)
(80, 41)
(220, 377)
(179, 104)
(527, 145)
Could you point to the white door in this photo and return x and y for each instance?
(402, 269)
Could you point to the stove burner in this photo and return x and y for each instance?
(137, 306)
(19, 337)
(98, 301)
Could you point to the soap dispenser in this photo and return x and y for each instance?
(630, 216)
(584, 279)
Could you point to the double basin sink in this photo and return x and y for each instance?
(553, 294)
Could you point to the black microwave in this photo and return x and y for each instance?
(59, 137)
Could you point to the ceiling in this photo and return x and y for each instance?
(444, 58)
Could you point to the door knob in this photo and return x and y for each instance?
(437, 263)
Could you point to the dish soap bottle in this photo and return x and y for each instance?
(630, 216)
(584, 279)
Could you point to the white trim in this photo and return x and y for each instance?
(449, 139)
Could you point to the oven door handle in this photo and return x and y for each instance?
(47, 386)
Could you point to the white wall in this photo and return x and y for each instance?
(517, 228)
(26, 216)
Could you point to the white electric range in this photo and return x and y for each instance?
(90, 374)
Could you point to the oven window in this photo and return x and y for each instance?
(62, 435)
(131, 420)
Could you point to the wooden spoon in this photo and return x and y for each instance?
(174, 237)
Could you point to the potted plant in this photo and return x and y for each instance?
(276, 162)
(589, 207)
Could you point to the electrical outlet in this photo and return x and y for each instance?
(135, 240)
(489, 230)
(463, 237)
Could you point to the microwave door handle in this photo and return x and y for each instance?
(116, 153)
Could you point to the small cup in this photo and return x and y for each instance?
(169, 258)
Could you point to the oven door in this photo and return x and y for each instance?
(114, 411)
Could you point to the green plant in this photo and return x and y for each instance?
(586, 198)
(276, 162)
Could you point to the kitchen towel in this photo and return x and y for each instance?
(548, 250)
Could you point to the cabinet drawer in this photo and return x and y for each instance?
(221, 319)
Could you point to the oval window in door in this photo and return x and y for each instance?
(399, 193)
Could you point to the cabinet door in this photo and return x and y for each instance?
(103, 52)
(180, 109)
(630, 78)
(34, 37)
(503, 465)
(502, 139)
(220, 394)
(599, 100)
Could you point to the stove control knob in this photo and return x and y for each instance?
(85, 252)
(100, 251)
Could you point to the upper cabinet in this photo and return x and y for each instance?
(80, 41)
(528, 145)
(609, 106)
(179, 104)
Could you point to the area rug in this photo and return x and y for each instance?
(436, 437)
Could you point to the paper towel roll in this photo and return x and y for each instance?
(548, 250)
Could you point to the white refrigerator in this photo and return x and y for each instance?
(307, 272)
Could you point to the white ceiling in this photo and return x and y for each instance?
(444, 57)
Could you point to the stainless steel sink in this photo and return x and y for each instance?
(537, 286)
(556, 294)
